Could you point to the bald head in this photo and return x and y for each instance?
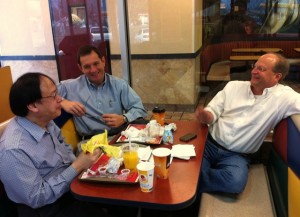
(278, 62)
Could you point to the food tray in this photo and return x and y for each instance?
(109, 178)
(152, 141)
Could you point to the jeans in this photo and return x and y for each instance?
(223, 170)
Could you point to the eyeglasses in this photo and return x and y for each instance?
(53, 95)
(258, 68)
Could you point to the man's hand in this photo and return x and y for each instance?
(113, 120)
(86, 160)
(74, 108)
(203, 116)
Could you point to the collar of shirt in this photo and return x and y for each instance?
(36, 131)
(93, 85)
(266, 91)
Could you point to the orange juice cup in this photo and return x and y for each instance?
(159, 115)
(130, 156)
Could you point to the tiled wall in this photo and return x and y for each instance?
(172, 83)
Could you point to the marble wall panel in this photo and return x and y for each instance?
(165, 81)
(20, 67)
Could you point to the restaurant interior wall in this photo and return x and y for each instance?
(26, 41)
(165, 63)
(165, 66)
(168, 60)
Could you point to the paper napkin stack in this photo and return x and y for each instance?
(183, 151)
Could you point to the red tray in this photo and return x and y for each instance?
(110, 178)
(154, 141)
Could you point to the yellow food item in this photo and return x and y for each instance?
(100, 141)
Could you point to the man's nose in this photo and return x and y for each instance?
(94, 68)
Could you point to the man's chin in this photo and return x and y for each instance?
(58, 113)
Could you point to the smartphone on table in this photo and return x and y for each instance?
(188, 137)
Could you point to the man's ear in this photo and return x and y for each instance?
(32, 107)
(79, 67)
(278, 76)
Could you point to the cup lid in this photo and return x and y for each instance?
(158, 110)
(161, 152)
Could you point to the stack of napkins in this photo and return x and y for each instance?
(183, 151)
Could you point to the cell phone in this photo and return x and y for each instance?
(188, 137)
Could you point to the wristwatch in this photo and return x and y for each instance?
(125, 119)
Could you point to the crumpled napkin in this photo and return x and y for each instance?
(101, 141)
(131, 132)
(183, 151)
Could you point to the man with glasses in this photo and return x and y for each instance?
(99, 100)
(37, 166)
(239, 118)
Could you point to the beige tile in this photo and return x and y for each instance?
(177, 115)
(188, 116)
(255, 201)
(169, 114)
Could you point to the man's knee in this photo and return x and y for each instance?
(235, 181)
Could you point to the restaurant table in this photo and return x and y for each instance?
(174, 193)
(244, 58)
(256, 50)
(297, 49)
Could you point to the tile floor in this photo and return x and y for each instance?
(175, 115)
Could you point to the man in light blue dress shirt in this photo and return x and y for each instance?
(98, 100)
(37, 166)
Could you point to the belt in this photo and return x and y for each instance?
(225, 149)
(215, 142)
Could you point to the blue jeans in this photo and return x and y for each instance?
(223, 170)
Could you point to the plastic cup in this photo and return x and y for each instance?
(159, 115)
(162, 160)
(130, 156)
(146, 175)
(102, 171)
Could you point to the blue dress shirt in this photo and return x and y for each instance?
(35, 164)
(114, 96)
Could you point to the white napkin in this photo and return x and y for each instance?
(144, 153)
(131, 132)
(183, 151)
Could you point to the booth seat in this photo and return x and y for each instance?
(284, 167)
(68, 130)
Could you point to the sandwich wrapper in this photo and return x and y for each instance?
(184, 152)
(101, 141)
